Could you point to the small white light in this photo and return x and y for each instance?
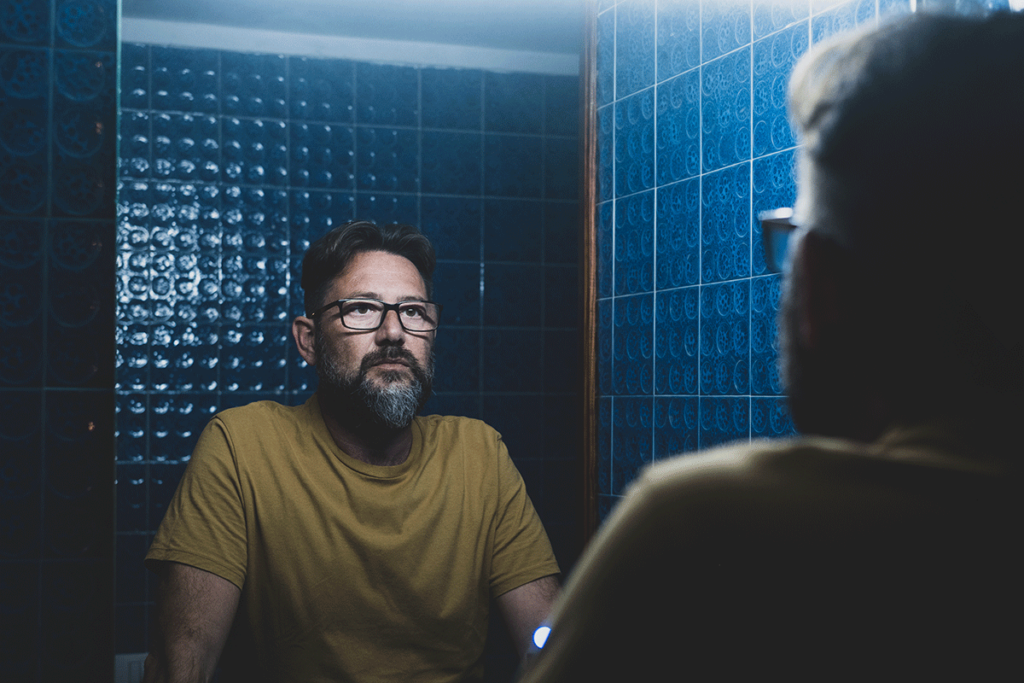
(540, 636)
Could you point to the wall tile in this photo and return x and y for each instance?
(675, 426)
(635, 50)
(321, 89)
(632, 440)
(678, 37)
(513, 230)
(634, 143)
(725, 338)
(634, 244)
(679, 128)
(678, 230)
(774, 59)
(677, 322)
(451, 162)
(725, 26)
(632, 364)
(384, 93)
(725, 110)
(725, 224)
(513, 103)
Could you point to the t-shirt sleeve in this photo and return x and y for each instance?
(522, 551)
(205, 525)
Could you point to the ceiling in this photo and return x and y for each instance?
(526, 25)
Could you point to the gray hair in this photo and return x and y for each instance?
(913, 159)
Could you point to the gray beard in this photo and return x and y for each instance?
(360, 402)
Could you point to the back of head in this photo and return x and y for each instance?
(330, 255)
(913, 140)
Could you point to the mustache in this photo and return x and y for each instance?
(389, 353)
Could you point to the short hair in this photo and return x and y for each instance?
(328, 257)
(913, 141)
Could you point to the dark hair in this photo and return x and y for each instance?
(330, 255)
(913, 140)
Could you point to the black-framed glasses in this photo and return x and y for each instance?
(777, 228)
(368, 314)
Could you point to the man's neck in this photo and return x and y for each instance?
(377, 446)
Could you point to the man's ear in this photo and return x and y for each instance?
(822, 267)
(304, 333)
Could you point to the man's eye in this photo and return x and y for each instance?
(361, 308)
(413, 311)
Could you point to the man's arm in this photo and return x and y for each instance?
(195, 610)
(525, 607)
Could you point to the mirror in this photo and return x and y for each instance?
(249, 128)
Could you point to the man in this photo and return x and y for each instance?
(884, 545)
(347, 539)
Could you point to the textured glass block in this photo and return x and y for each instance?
(131, 421)
(679, 128)
(513, 165)
(511, 361)
(773, 15)
(135, 73)
(185, 80)
(679, 234)
(725, 338)
(86, 23)
(634, 244)
(513, 230)
(322, 156)
(387, 160)
(253, 359)
(387, 95)
(255, 151)
(321, 89)
(253, 85)
(725, 26)
(774, 187)
(453, 226)
(451, 162)
(633, 443)
(774, 59)
(633, 354)
(723, 420)
(513, 295)
(676, 426)
(387, 208)
(23, 182)
(678, 37)
(513, 103)
(846, 17)
(82, 75)
(312, 213)
(725, 104)
(635, 50)
(458, 360)
(606, 58)
(725, 224)
(135, 145)
(25, 128)
(175, 422)
(26, 21)
(186, 147)
(676, 347)
(764, 335)
(634, 143)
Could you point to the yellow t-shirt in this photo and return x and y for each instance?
(350, 571)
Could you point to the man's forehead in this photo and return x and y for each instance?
(377, 274)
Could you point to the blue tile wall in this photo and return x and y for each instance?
(693, 142)
(57, 171)
(231, 164)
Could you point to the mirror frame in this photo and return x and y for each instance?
(588, 273)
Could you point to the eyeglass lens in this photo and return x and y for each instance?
(367, 314)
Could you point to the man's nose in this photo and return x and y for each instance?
(390, 328)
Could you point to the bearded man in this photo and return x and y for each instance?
(348, 539)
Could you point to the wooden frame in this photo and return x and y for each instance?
(588, 272)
